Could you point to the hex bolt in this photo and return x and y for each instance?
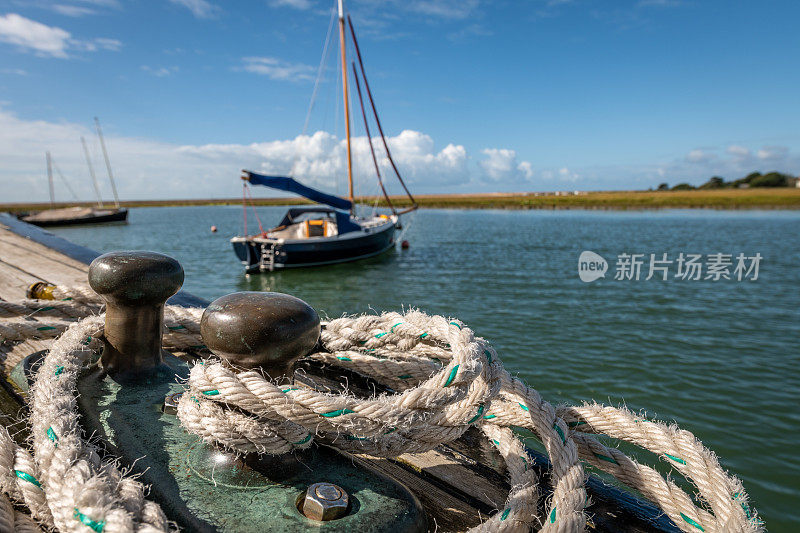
(135, 287)
(265, 330)
(325, 501)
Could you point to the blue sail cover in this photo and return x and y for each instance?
(283, 183)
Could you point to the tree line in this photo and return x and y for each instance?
(754, 179)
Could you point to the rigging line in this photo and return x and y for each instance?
(92, 174)
(369, 140)
(375, 112)
(253, 206)
(50, 179)
(108, 162)
(58, 170)
(244, 206)
(320, 70)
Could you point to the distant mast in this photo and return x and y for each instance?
(50, 179)
(91, 173)
(346, 109)
(108, 162)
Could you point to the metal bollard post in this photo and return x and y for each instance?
(264, 330)
(135, 286)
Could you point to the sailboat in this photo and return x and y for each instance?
(331, 232)
(71, 216)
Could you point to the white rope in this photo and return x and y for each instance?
(19, 481)
(447, 380)
(81, 489)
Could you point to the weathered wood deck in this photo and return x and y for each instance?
(459, 485)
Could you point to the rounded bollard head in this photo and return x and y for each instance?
(324, 502)
(135, 278)
(260, 329)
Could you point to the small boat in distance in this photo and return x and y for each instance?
(71, 216)
(320, 235)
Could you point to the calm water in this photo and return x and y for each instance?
(721, 358)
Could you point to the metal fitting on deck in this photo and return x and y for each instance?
(324, 502)
(135, 286)
(264, 330)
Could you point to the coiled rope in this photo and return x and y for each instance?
(447, 380)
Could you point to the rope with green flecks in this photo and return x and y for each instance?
(64, 482)
(448, 380)
(422, 356)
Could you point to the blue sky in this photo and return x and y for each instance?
(474, 95)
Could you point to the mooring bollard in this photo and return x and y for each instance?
(135, 287)
(264, 330)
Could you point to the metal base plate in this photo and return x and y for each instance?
(206, 490)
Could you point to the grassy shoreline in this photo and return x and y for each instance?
(767, 198)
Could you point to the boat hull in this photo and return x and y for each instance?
(254, 254)
(111, 215)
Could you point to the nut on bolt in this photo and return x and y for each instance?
(324, 501)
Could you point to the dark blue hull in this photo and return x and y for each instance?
(266, 255)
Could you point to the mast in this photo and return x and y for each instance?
(91, 173)
(346, 109)
(50, 179)
(108, 163)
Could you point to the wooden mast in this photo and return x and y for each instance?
(92, 174)
(50, 179)
(108, 163)
(346, 109)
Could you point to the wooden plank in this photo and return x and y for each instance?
(38, 260)
(24, 243)
(445, 511)
(450, 470)
(14, 281)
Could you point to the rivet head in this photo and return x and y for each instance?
(324, 502)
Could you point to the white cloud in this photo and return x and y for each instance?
(471, 30)
(772, 153)
(80, 8)
(199, 8)
(73, 11)
(151, 169)
(296, 4)
(277, 69)
(449, 9)
(738, 151)
(526, 169)
(48, 41)
(159, 71)
(94, 45)
(501, 165)
(699, 156)
(28, 34)
(660, 3)
(14, 71)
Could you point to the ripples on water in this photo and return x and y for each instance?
(721, 358)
